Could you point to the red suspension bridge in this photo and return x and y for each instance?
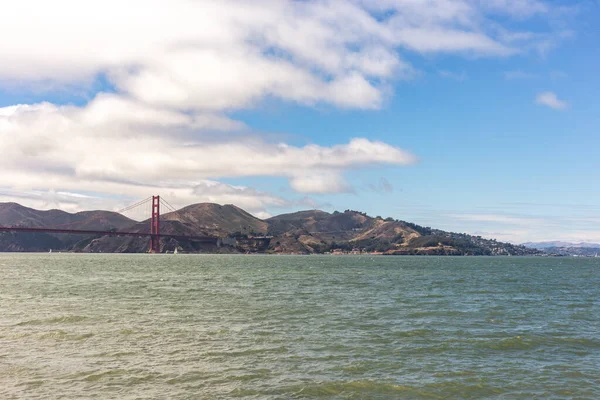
(154, 235)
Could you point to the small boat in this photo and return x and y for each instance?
(50, 252)
(175, 252)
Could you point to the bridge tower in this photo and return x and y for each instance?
(155, 225)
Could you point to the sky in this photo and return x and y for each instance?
(477, 116)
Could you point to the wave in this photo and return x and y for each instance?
(62, 335)
(68, 319)
(387, 390)
(527, 342)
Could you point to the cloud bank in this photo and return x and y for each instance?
(172, 73)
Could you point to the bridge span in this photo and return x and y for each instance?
(154, 234)
(203, 239)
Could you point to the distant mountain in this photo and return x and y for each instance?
(559, 244)
(573, 251)
(13, 214)
(581, 249)
(218, 220)
(304, 232)
(318, 231)
(203, 219)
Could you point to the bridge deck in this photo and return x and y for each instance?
(203, 239)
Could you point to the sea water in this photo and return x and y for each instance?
(77, 326)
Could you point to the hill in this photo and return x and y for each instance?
(559, 244)
(203, 219)
(573, 251)
(218, 220)
(354, 231)
(13, 214)
(559, 248)
(303, 232)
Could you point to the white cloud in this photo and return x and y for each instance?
(519, 228)
(514, 222)
(551, 100)
(502, 219)
(178, 195)
(516, 8)
(226, 54)
(204, 54)
(320, 183)
(434, 40)
(132, 147)
(117, 146)
(177, 70)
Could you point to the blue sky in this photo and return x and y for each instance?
(470, 116)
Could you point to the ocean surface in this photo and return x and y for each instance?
(76, 326)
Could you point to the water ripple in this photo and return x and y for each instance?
(139, 326)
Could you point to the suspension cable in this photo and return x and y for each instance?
(168, 205)
(139, 203)
(128, 208)
(180, 215)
